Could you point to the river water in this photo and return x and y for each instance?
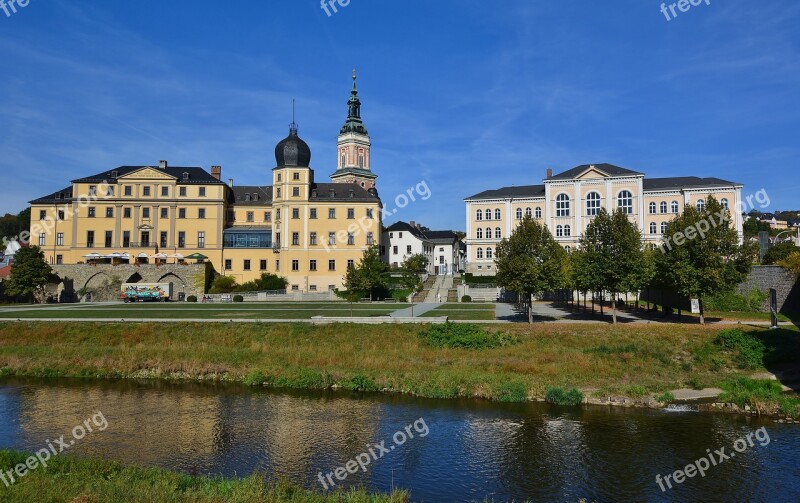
(452, 450)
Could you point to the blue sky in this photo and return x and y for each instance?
(464, 95)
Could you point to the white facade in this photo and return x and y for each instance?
(400, 241)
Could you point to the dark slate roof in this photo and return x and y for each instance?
(608, 169)
(684, 182)
(238, 195)
(59, 196)
(513, 191)
(341, 192)
(441, 237)
(406, 227)
(196, 175)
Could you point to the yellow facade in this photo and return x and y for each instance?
(305, 231)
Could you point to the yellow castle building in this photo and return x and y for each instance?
(305, 231)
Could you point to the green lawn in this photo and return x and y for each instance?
(261, 310)
(70, 479)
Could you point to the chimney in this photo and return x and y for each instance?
(162, 164)
(412, 224)
(216, 172)
(549, 173)
(230, 182)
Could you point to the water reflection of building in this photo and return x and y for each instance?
(203, 428)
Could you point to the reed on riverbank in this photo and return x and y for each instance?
(75, 480)
(597, 359)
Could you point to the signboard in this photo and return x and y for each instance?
(695, 306)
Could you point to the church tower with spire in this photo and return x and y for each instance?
(353, 164)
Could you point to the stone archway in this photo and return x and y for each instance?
(103, 287)
(135, 278)
(178, 284)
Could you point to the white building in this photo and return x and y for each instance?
(402, 240)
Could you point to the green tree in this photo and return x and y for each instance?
(531, 262)
(791, 263)
(411, 279)
(265, 282)
(701, 254)
(611, 257)
(223, 284)
(370, 275)
(752, 226)
(30, 274)
(779, 251)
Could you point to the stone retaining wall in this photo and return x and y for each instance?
(187, 279)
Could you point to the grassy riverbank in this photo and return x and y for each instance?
(74, 480)
(630, 360)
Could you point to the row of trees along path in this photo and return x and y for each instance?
(612, 257)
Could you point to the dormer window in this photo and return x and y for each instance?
(333, 193)
(255, 197)
(247, 197)
(352, 194)
(114, 174)
(185, 176)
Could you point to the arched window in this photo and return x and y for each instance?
(344, 160)
(479, 234)
(724, 203)
(488, 253)
(567, 231)
(701, 205)
(625, 202)
(675, 207)
(652, 207)
(568, 249)
(497, 214)
(663, 227)
(538, 212)
(479, 215)
(479, 253)
(559, 231)
(498, 234)
(592, 204)
(519, 213)
(663, 207)
(562, 205)
(528, 212)
(488, 214)
(653, 228)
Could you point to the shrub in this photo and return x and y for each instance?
(191, 298)
(560, 396)
(466, 298)
(255, 378)
(467, 336)
(238, 298)
(265, 282)
(360, 382)
(732, 301)
(665, 397)
(400, 294)
(749, 350)
(223, 284)
(513, 391)
(470, 279)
